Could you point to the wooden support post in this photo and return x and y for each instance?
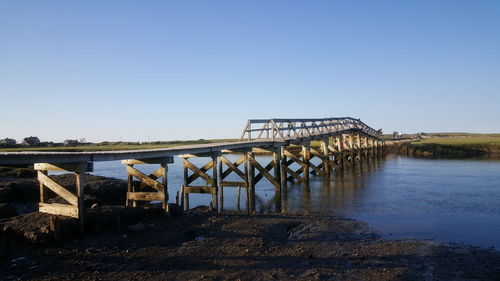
(340, 143)
(147, 188)
(277, 177)
(221, 186)
(211, 181)
(80, 188)
(326, 157)
(251, 184)
(277, 170)
(232, 167)
(43, 194)
(358, 142)
(76, 204)
(215, 199)
(130, 188)
(306, 156)
(284, 167)
(247, 182)
(185, 194)
(164, 190)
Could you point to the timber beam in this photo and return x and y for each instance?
(147, 188)
(232, 168)
(193, 173)
(75, 206)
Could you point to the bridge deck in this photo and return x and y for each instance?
(295, 135)
(31, 157)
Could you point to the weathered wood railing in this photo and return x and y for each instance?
(290, 129)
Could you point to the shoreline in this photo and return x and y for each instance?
(142, 244)
(205, 245)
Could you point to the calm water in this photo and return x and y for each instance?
(400, 197)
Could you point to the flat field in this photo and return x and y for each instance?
(107, 146)
(461, 139)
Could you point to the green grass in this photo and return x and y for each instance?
(113, 146)
(469, 140)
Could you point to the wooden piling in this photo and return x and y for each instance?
(306, 156)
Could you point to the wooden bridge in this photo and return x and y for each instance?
(337, 143)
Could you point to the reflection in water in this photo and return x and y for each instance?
(400, 197)
(344, 185)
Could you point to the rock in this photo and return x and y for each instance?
(7, 211)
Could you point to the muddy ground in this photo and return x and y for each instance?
(203, 245)
(142, 243)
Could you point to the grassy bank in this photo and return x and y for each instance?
(456, 144)
(107, 146)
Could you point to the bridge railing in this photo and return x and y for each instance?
(287, 129)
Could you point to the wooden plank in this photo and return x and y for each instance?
(277, 170)
(164, 171)
(144, 178)
(158, 173)
(59, 190)
(332, 149)
(264, 172)
(233, 167)
(316, 169)
(233, 183)
(215, 199)
(156, 160)
(204, 154)
(58, 209)
(199, 172)
(146, 196)
(316, 153)
(66, 167)
(326, 158)
(221, 186)
(294, 158)
(194, 176)
(306, 156)
(80, 189)
(43, 195)
(294, 174)
(130, 188)
(200, 189)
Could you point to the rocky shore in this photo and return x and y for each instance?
(143, 244)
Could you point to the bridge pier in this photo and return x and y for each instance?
(265, 172)
(251, 181)
(147, 188)
(326, 157)
(233, 168)
(306, 156)
(192, 173)
(343, 142)
(75, 207)
(288, 159)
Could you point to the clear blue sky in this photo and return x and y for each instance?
(165, 70)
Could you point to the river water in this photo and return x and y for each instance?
(398, 196)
